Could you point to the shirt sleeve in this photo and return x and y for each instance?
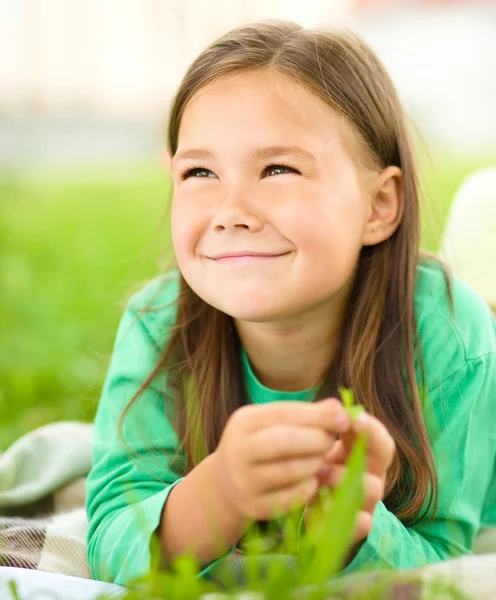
(129, 483)
(459, 416)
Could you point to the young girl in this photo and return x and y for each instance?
(295, 223)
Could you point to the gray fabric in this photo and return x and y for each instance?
(44, 461)
(43, 522)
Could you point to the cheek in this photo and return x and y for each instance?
(186, 225)
(329, 237)
(332, 227)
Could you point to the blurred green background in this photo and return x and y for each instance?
(71, 251)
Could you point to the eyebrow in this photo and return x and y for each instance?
(266, 152)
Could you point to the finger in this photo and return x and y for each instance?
(373, 486)
(326, 414)
(286, 441)
(363, 526)
(380, 445)
(277, 475)
(284, 500)
(337, 454)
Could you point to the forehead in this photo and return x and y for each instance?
(261, 103)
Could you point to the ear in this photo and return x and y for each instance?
(386, 205)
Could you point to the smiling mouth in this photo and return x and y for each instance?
(248, 257)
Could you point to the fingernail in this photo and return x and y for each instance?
(361, 422)
(342, 421)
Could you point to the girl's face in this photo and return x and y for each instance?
(269, 208)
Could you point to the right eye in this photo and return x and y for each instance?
(198, 172)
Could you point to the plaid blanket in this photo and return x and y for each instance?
(43, 522)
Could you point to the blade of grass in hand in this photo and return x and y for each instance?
(348, 399)
(333, 537)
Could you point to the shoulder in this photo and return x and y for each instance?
(155, 306)
(450, 334)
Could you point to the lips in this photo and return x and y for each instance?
(244, 257)
(246, 254)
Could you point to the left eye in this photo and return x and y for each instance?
(278, 170)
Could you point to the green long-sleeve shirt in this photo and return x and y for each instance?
(125, 496)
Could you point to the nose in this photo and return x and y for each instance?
(234, 215)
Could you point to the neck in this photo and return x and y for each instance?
(294, 354)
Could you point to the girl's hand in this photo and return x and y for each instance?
(380, 453)
(269, 455)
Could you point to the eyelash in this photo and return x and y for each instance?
(188, 172)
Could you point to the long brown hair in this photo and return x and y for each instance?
(380, 342)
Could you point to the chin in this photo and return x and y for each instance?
(256, 309)
(252, 301)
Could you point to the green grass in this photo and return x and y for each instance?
(71, 251)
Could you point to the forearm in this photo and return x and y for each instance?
(197, 519)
